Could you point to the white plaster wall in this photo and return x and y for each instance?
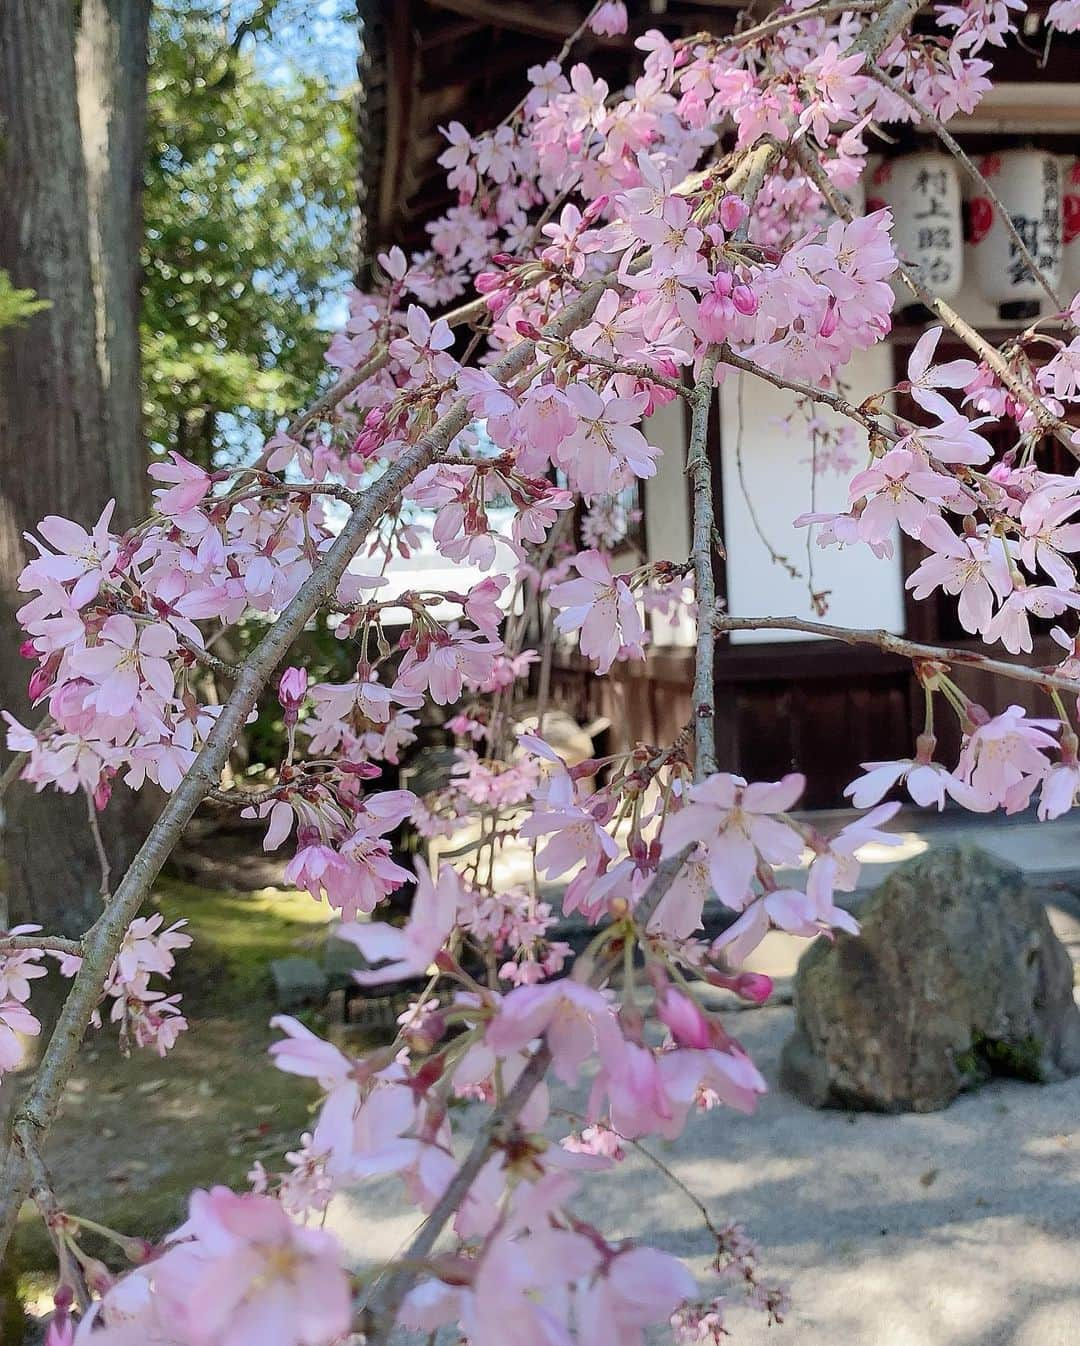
(667, 510)
(777, 483)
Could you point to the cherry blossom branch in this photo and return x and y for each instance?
(377, 361)
(563, 52)
(700, 469)
(208, 660)
(989, 354)
(890, 23)
(927, 118)
(809, 390)
(50, 943)
(907, 649)
(104, 938)
(635, 370)
(10, 774)
(99, 846)
(772, 25)
(382, 1314)
(44, 1197)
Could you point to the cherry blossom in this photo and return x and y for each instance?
(602, 607)
(409, 951)
(735, 822)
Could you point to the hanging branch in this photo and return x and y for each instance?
(700, 469)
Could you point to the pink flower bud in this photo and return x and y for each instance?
(97, 1275)
(103, 791)
(745, 300)
(733, 210)
(684, 1019)
(527, 329)
(43, 677)
(753, 986)
(716, 313)
(61, 1330)
(830, 321)
(292, 689)
(365, 770)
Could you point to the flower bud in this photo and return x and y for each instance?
(61, 1329)
(733, 210)
(745, 300)
(292, 689)
(685, 1020)
(754, 986)
(830, 321)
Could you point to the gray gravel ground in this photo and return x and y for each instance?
(958, 1228)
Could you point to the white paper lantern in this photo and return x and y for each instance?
(1070, 236)
(1028, 185)
(923, 192)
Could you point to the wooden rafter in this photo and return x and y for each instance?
(552, 20)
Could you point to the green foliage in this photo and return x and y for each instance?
(249, 192)
(16, 305)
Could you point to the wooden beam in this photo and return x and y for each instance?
(401, 77)
(542, 20)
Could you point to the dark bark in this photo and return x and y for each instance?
(70, 222)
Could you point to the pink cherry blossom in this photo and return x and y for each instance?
(408, 952)
(83, 559)
(190, 485)
(733, 821)
(609, 19)
(574, 1020)
(125, 662)
(15, 1019)
(602, 606)
(1003, 760)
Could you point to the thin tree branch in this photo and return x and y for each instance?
(49, 943)
(700, 469)
(748, 36)
(99, 845)
(889, 24)
(809, 391)
(907, 649)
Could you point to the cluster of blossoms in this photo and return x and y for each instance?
(146, 1016)
(612, 271)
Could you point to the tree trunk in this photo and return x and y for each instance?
(110, 66)
(69, 378)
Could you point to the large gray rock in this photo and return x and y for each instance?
(956, 975)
